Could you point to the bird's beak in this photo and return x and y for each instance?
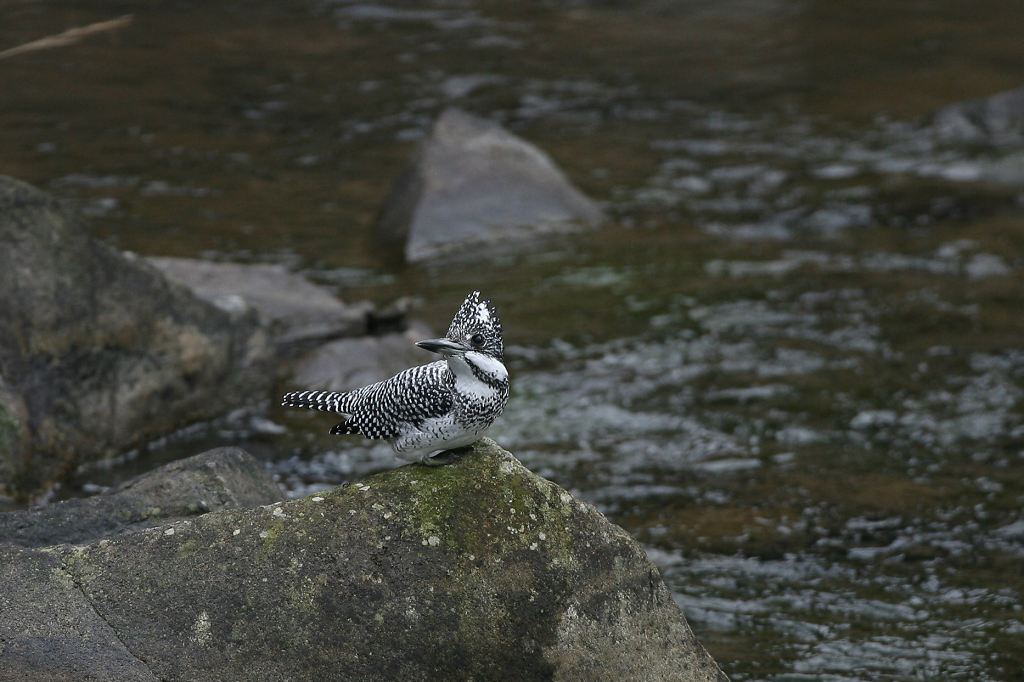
(445, 347)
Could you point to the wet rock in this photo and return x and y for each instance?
(351, 363)
(475, 570)
(984, 265)
(1011, 531)
(472, 183)
(871, 419)
(298, 311)
(995, 120)
(1007, 170)
(224, 478)
(100, 349)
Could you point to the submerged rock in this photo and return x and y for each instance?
(299, 312)
(225, 478)
(98, 351)
(997, 119)
(475, 570)
(472, 183)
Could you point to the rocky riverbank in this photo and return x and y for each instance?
(98, 351)
(102, 351)
(476, 570)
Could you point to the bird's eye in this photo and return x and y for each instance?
(477, 340)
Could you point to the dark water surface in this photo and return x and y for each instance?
(793, 365)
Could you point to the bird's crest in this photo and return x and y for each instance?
(477, 316)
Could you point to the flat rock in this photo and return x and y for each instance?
(472, 183)
(347, 364)
(224, 478)
(299, 311)
(99, 352)
(475, 570)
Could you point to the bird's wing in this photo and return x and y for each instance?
(381, 409)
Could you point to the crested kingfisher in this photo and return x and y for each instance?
(432, 408)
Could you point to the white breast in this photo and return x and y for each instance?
(474, 390)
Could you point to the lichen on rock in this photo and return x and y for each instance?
(476, 570)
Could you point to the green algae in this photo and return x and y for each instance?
(441, 505)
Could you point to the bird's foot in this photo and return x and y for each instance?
(438, 458)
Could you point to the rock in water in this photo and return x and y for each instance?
(299, 312)
(473, 183)
(997, 119)
(476, 570)
(98, 351)
(224, 478)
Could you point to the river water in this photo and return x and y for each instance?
(792, 365)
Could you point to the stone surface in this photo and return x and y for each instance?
(299, 311)
(472, 184)
(13, 430)
(225, 478)
(347, 364)
(100, 349)
(50, 632)
(995, 120)
(475, 570)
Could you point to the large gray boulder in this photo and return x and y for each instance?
(476, 570)
(98, 351)
(472, 184)
(224, 478)
(299, 312)
(50, 631)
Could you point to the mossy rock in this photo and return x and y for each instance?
(49, 630)
(478, 570)
(223, 478)
(9, 430)
(12, 436)
(103, 352)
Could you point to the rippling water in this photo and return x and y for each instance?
(793, 365)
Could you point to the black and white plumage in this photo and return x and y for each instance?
(429, 409)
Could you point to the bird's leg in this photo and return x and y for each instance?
(434, 459)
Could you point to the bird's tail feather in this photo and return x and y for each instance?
(326, 401)
(344, 428)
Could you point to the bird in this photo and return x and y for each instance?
(426, 410)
